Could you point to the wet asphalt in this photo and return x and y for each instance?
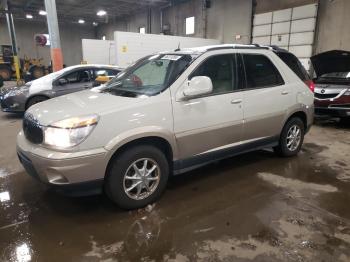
(251, 207)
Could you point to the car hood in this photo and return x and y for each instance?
(79, 104)
(331, 61)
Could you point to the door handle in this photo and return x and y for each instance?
(236, 101)
(284, 92)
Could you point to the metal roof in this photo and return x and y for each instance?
(72, 10)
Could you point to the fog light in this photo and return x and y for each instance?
(56, 178)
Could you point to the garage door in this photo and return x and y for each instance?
(292, 29)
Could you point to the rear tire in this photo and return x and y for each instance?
(123, 176)
(291, 138)
(35, 100)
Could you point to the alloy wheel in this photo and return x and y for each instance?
(293, 137)
(141, 178)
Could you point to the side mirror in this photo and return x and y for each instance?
(62, 81)
(198, 85)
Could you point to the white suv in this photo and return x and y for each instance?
(167, 114)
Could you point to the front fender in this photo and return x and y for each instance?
(142, 132)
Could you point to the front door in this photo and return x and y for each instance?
(77, 80)
(212, 122)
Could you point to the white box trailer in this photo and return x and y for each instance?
(129, 47)
(132, 46)
(98, 51)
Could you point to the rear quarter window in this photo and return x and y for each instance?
(294, 64)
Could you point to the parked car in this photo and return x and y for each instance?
(167, 114)
(332, 91)
(68, 80)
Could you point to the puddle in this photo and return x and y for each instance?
(295, 185)
(4, 173)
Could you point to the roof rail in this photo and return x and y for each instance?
(253, 46)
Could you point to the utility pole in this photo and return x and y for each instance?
(11, 28)
(52, 23)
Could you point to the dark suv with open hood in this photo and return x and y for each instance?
(332, 90)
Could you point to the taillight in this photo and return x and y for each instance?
(311, 85)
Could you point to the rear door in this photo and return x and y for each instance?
(266, 97)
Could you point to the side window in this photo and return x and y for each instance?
(101, 72)
(220, 70)
(112, 72)
(79, 76)
(261, 72)
(106, 72)
(294, 64)
(72, 77)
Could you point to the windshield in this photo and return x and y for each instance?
(341, 75)
(149, 76)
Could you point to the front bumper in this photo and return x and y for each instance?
(334, 107)
(13, 104)
(75, 173)
(332, 111)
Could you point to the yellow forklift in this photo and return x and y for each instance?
(29, 68)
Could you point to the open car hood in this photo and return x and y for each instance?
(331, 61)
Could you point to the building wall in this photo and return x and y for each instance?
(131, 24)
(264, 6)
(224, 20)
(176, 15)
(71, 36)
(229, 18)
(333, 25)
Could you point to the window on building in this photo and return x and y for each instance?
(142, 30)
(190, 25)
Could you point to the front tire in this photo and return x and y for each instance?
(291, 138)
(137, 177)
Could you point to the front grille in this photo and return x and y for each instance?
(325, 96)
(32, 130)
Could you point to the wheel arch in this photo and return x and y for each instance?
(32, 96)
(300, 114)
(158, 141)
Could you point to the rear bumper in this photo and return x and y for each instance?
(78, 173)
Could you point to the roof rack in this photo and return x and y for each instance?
(252, 46)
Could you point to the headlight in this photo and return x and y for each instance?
(18, 91)
(69, 132)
